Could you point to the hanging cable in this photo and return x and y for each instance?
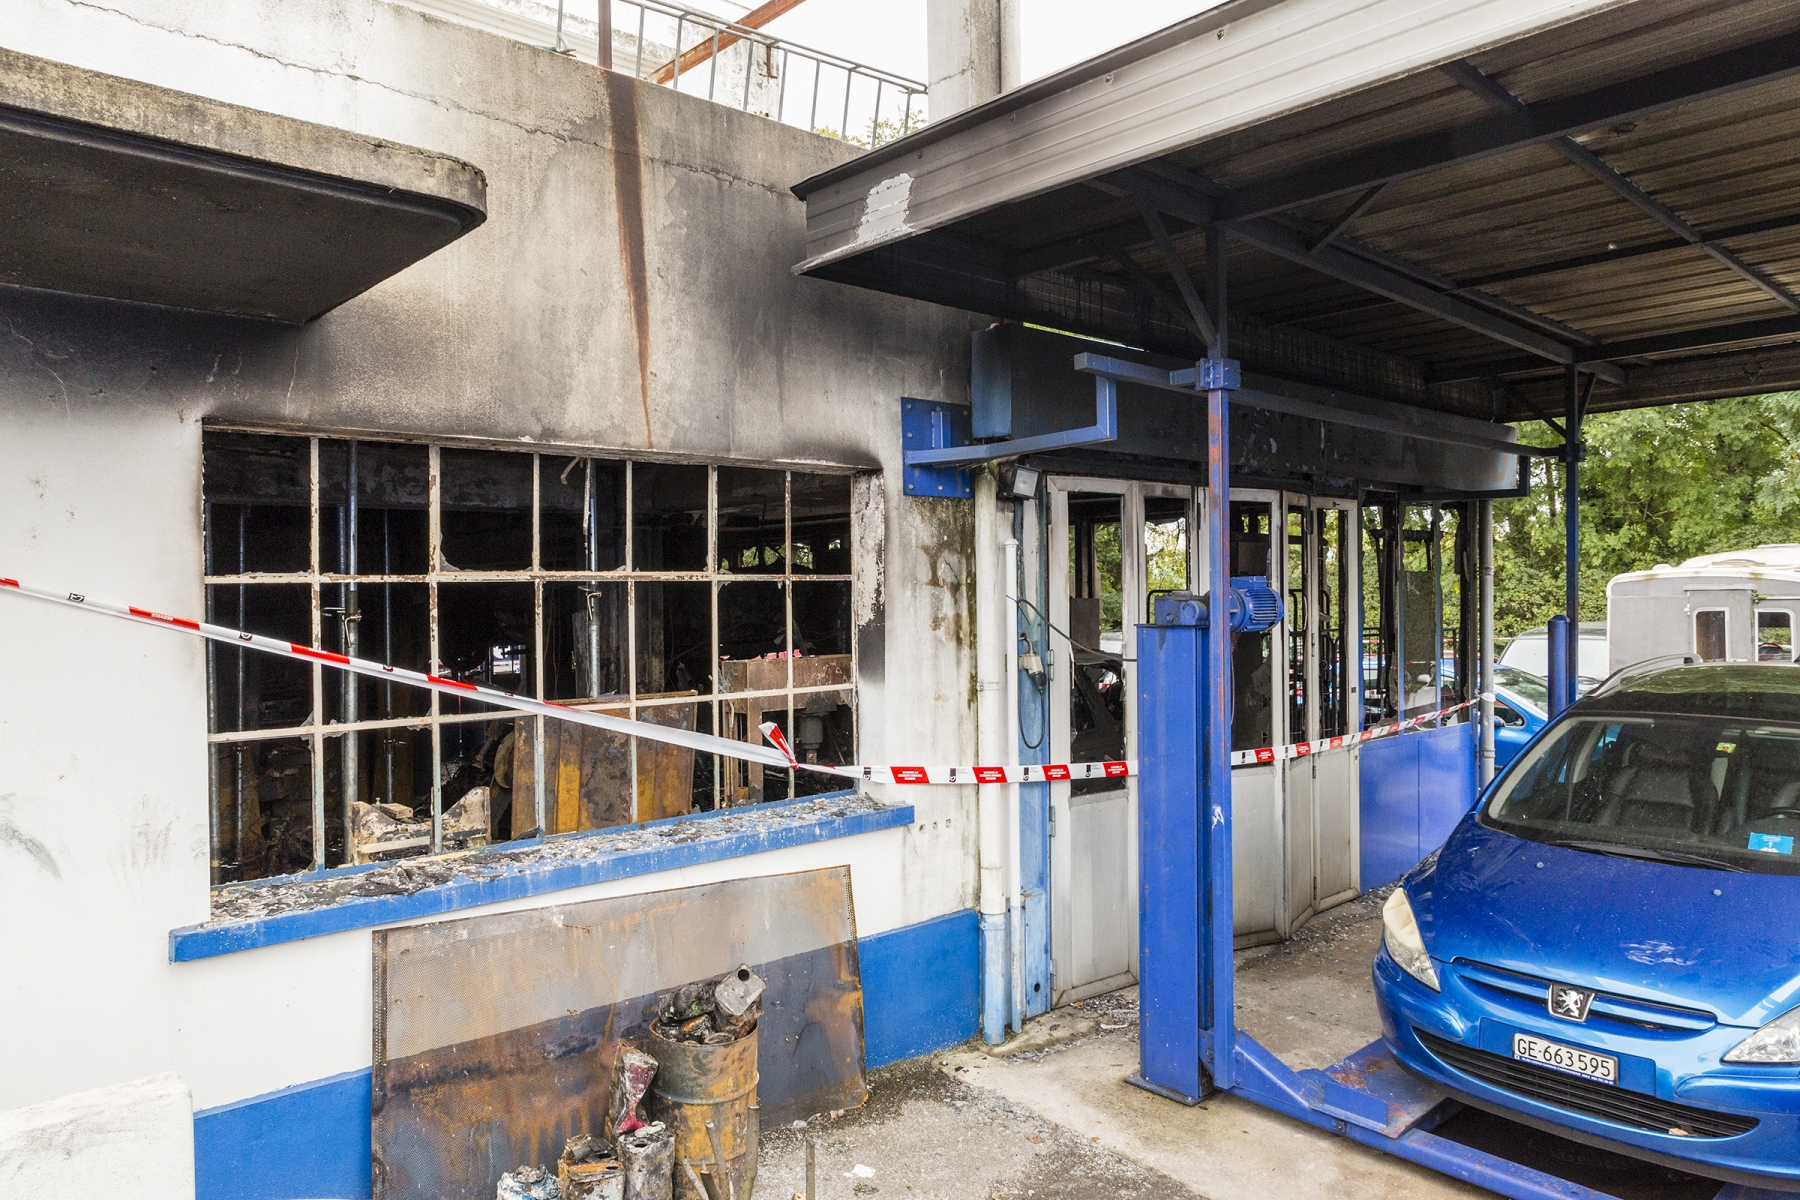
(1024, 603)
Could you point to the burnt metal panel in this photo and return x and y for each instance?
(495, 1035)
(1160, 427)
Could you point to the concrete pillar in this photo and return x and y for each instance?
(973, 52)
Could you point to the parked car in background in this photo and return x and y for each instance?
(1601, 947)
(1521, 708)
(1530, 652)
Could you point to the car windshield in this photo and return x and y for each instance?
(1694, 789)
(1524, 689)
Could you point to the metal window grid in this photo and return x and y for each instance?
(317, 579)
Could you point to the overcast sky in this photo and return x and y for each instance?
(890, 34)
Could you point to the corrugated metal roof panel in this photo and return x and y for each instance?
(1522, 238)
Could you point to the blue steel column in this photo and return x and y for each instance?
(1171, 897)
(1556, 638)
(1572, 528)
(1216, 754)
(1217, 815)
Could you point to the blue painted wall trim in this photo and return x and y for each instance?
(295, 1144)
(921, 987)
(921, 992)
(511, 880)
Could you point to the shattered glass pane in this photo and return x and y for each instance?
(485, 517)
(251, 689)
(752, 621)
(822, 618)
(392, 626)
(473, 755)
(393, 521)
(821, 524)
(586, 640)
(582, 519)
(486, 635)
(257, 489)
(674, 637)
(668, 517)
(824, 732)
(389, 798)
(752, 521)
(264, 797)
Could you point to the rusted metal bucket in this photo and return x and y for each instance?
(706, 1095)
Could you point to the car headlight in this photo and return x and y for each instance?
(1776, 1042)
(1400, 933)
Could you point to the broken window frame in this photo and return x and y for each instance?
(787, 699)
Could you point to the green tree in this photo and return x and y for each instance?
(1659, 485)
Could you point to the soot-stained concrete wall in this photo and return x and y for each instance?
(631, 290)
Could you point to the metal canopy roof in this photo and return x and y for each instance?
(1440, 211)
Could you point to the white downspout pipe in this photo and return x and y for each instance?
(1014, 854)
(990, 732)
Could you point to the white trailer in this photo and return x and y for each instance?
(1735, 606)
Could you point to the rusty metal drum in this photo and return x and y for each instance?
(706, 1095)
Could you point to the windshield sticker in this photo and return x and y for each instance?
(1727, 747)
(1772, 843)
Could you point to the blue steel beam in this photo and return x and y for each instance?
(1104, 429)
(1188, 382)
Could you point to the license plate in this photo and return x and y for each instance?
(1601, 1067)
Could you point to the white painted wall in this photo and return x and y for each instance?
(103, 835)
(519, 332)
(134, 1139)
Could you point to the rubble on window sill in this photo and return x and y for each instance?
(232, 903)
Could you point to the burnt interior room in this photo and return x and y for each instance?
(638, 589)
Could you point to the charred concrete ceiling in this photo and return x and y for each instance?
(119, 189)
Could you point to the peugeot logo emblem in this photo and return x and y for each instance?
(1569, 1003)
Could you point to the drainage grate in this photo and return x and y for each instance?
(1603, 1100)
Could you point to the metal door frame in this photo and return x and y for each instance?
(1133, 611)
(1352, 650)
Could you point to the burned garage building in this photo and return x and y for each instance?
(563, 464)
(390, 337)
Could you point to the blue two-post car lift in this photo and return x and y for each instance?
(1190, 1045)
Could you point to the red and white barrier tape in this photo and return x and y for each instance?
(1019, 773)
(779, 756)
(1269, 754)
(705, 742)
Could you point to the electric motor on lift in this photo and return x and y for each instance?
(1253, 606)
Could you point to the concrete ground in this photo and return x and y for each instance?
(1056, 1119)
(1060, 1123)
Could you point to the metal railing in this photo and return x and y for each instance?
(706, 55)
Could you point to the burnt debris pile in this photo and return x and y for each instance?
(715, 1012)
(698, 1140)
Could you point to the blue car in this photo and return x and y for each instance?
(1521, 708)
(1607, 947)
